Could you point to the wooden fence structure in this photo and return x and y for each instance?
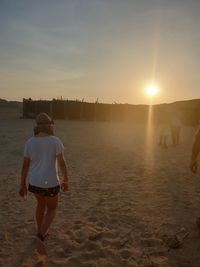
(79, 110)
(84, 111)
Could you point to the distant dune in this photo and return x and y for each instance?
(6, 103)
(10, 109)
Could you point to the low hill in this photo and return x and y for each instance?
(11, 104)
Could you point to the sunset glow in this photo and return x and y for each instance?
(110, 50)
(152, 90)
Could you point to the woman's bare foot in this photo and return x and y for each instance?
(41, 260)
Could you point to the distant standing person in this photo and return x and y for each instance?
(175, 125)
(41, 153)
(163, 135)
(195, 152)
(164, 128)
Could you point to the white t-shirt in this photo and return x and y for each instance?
(42, 152)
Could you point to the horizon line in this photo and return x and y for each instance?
(118, 103)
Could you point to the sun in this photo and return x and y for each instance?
(152, 90)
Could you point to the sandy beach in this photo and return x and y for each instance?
(127, 197)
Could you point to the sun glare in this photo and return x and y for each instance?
(152, 90)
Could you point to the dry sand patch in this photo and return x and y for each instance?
(124, 195)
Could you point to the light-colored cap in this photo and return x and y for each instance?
(43, 118)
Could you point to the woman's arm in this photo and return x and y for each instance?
(63, 168)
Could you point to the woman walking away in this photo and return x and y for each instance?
(42, 152)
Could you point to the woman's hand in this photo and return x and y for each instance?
(23, 191)
(64, 186)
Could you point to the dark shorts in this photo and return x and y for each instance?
(46, 192)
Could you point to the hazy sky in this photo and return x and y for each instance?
(105, 49)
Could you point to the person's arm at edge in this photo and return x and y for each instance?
(63, 167)
(24, 173)
(195, 152)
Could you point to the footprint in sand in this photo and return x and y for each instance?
(91, 246)
(133, 263)
(101, 224)
(69, 245)
(60, 252)
(62, 262)
(95, 236)
(151, 242)
(73, 262)
(36, 261)
(78, 224)
(125, 254)
(159, 261)
(80, 236)
(93, 255)
(92, 219)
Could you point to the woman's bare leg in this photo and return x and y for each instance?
(51, 205)
(40, 210)
(39, 214)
